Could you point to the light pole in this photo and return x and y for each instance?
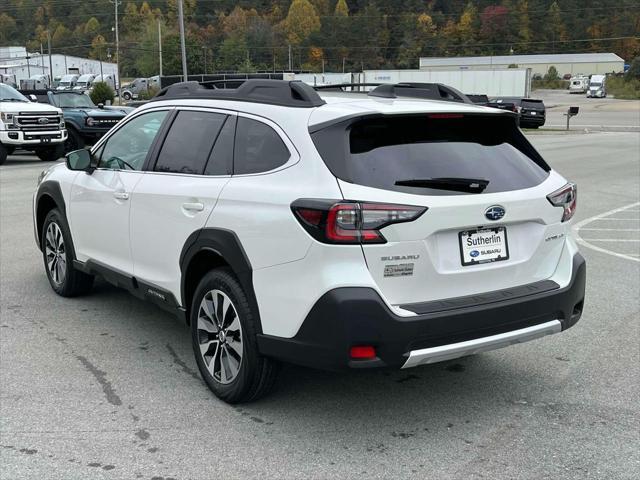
(182, 45)
(50, 62)
(118, 86)
(160, 46)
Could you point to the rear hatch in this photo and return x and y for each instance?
(532, 108)
(488, 224)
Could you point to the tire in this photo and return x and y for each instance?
(57, 255)
(226, 348)
(4, 152)
(50, 154)
(127, 96)
(73, 142)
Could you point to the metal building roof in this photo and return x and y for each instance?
(517, 59)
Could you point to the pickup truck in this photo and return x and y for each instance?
(29, 126)
(85, 121)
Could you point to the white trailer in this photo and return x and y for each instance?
(508, 82)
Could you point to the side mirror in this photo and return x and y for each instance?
(101, 106)
(80, 160)
(33, 98)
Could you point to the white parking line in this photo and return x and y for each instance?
(616, 219)
(605, 216)
(610, 229)
(610, 240)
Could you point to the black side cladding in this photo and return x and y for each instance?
(48, 189)
(227, 246)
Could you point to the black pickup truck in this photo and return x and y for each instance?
(85, 122)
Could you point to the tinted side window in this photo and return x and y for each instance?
(128, 147)
(258, 148)
(189, 142)
(221, 159)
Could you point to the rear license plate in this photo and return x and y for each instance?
(483, 245)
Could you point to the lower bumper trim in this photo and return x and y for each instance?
(478, 345)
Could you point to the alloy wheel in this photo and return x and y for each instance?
(55, 253)
(220, 336)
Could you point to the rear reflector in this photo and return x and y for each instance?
(363, 352)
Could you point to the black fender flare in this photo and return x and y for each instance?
(52, 189)
(227, 245)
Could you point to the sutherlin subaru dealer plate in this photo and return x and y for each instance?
(483, 245)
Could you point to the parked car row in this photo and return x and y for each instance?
(531, 112)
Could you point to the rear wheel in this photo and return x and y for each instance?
(50, 154)
(57, 254)
(223, 329)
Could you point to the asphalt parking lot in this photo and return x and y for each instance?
(106, 386)
(596, 114)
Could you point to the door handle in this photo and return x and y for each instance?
(193, 206)
(121, 195)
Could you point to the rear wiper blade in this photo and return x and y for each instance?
(469, 185)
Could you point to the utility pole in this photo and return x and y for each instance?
(182, 45)
(119, 87)
(204, 54)
(28, 66)
(50, 62)
(41, 59)
(289, 57)
(160, 46)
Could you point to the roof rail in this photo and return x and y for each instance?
(273, 92)
(430, 91)
(340, 87)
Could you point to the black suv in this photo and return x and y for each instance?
(85, 121)
(531, 111)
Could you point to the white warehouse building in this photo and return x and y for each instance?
(15, 61)
(565, 63)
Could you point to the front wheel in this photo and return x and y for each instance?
(127, 96)
(50, 154)
(223, 331)
(73, 142)
(57, 254)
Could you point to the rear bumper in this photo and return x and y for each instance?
(351, 316)
(532, 120)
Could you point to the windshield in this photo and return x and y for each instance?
(11, 94)
(73, 100)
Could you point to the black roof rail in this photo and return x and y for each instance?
(340, 87)
(273, 92)
(429, 91)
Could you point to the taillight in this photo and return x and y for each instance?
(567, 198)
(347, 222)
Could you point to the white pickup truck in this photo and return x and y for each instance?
(29, 126)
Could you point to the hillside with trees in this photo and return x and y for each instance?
(251, 35)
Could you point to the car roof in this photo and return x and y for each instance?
(347, 105)
(338, 106)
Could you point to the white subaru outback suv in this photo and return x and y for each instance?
(333, 230)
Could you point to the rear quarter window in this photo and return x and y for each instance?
(378, 152)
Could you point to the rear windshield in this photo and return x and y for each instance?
(380, 151)
(536, 104)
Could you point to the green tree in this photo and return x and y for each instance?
(102, 92)
(555, 30)
(302, 20)
(7, 28)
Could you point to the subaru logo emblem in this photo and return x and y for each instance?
(474, 253)
(43, 120)
(495, 212)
